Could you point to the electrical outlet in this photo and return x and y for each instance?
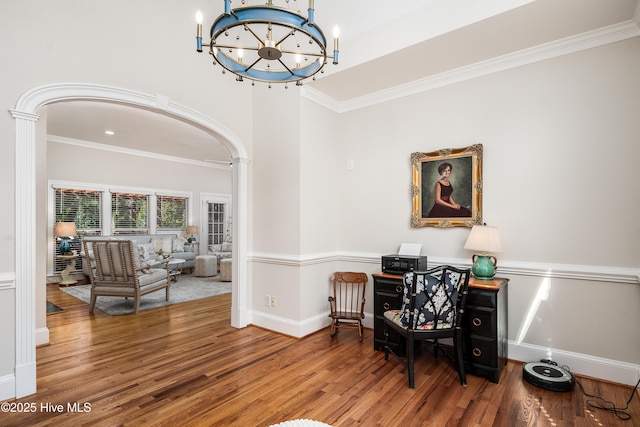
(273, 301)
(267, 300)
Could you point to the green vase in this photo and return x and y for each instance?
(484, 267)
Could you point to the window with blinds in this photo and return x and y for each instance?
(84, 208)
(129, 213)
(171, 212)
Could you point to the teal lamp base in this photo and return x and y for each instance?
(484, 267)
(65, 247)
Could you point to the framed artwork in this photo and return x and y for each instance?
(446, 188)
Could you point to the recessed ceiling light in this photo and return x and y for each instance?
(109, 132)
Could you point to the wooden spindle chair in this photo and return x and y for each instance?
(347, 301)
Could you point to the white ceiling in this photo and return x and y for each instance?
(383, 45)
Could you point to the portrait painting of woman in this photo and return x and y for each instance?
(444, 205)
(447, 187)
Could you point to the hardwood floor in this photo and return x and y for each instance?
(184, 365)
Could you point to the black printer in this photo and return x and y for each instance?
(400, 264)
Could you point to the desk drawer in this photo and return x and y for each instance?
(481, 351)
(482, 298)
(480, 321)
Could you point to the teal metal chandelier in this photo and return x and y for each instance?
(268, 43)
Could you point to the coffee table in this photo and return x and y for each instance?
(175, 268)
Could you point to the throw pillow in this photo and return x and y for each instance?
(147, 251)
(226, 247)
(177, 244)
(163, 244)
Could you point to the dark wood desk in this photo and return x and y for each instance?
(485, 322)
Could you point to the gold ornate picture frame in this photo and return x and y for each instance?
(454, 178)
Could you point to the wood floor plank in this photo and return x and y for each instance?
(184, 365)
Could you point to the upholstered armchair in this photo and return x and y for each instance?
(119, 272)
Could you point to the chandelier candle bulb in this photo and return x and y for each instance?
(311, 14)
(336, 34)
(199, 31)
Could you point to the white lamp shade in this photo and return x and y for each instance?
(65, 229)
(484, 239)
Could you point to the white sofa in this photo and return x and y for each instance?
(221, 251)
(148, 246)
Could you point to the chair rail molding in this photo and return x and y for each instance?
(597, 273)
(7, 281)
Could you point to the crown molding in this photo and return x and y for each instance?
(561, 47)
(132, 152)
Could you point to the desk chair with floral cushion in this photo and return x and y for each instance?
(118, 271)
(432, 308)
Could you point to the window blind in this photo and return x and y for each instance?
(171, 212)
(129, 213)
(84, 207)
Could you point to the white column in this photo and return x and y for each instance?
(25, 235)
(240, 316)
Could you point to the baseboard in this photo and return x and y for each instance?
(7, 387)
(595, 367)
(42, 336)
(298, 329)
(278, 324)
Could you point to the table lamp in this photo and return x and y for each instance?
(192, 229)
(483, 239)
(64, 231)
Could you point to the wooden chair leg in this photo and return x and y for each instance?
(461, 372)
(92, 302)
(410, 360)
(334, 327)
(386, 342)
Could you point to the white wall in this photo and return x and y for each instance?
(560, 182)
(560, 144)
(560, 149)
(78, 164)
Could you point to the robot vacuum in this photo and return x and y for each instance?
(546, 374)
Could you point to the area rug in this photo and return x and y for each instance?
(300, 423)
(187, 288)
(52, 308)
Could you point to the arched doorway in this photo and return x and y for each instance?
(26, 116)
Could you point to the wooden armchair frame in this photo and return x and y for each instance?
(117, 271)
